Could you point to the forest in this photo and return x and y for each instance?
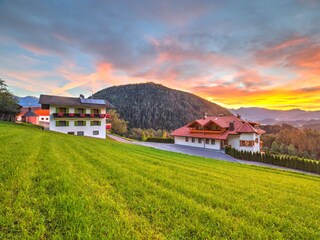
(150, 105)
(286, 139)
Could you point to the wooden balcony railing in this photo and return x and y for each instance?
(206, 131)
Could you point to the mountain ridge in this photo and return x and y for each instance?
(151, 105)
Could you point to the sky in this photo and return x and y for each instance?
(234, 53)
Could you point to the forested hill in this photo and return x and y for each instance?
(150, 105)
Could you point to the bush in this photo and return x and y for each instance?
(160, 140)
(275, 159)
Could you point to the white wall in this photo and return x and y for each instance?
(250, 137)
(88, 130)
(182, 141)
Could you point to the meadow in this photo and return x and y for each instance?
(55, 186)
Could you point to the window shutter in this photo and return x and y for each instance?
(67, 123)
(91, 111)
(75, 123)
(84, 123)
(57, 123)
(67, 110)
(91, 123)
(57, 110)
(99, 123)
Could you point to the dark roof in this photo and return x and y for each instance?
(30, 113)
(74, 102)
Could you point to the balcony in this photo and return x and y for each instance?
(80, 115)
(204, 131)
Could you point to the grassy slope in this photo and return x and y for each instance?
(61, 186)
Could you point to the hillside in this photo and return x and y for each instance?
(28, 101)
(150, 105)
(76, 187)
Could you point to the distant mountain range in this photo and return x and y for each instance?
(150, 105)
(266, 116)
(28, 101)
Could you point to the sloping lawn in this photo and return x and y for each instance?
(55, 186)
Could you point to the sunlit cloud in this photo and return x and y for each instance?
(268, 58)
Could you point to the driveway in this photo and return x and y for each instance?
(201, 152)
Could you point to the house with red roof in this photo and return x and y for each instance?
(220, 131)
(34, 115)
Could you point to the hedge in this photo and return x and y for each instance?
(160, 140)
(283, 161)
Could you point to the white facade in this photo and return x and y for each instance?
(86, 130)
(233, 140)
(215, 144)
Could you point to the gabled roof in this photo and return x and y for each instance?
(74, 102)
(30, 113)
(240, 126)
(246, 128)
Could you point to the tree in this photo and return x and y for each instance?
(8, 102)
(292, 150)
(274, 147)
(118, 125)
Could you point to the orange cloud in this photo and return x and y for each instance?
(276, 98)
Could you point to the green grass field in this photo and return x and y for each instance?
(55, 186)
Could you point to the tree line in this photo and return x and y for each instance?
(120, 127)
(292, 141)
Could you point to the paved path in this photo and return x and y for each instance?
(201, 152)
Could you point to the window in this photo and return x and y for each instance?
(47, 118)
(213, 142)
(80, 110)
(80, 133)
(193, 139)
(62, 110)
(199, 140)
(215, 128)
(80, 123)
(257, 140)
(95, 111)
(187, 139)
(42, 118)
(71, 133)
(95, 132)
(207, 141)
(246, 143)
(62, 123)
(95, 123)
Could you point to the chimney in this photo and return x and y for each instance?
(205, 116)
(238, 116)
(81, 96)
(231, 126)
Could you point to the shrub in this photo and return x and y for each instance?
(275, 159)
(160, 140)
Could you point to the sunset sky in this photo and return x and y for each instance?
(235, 53)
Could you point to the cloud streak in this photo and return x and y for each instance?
(223, 51)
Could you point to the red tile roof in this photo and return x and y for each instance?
(42, 112)
(246, 128)
(240, 126)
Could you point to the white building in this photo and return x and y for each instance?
(76, 116)
(218, 132)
